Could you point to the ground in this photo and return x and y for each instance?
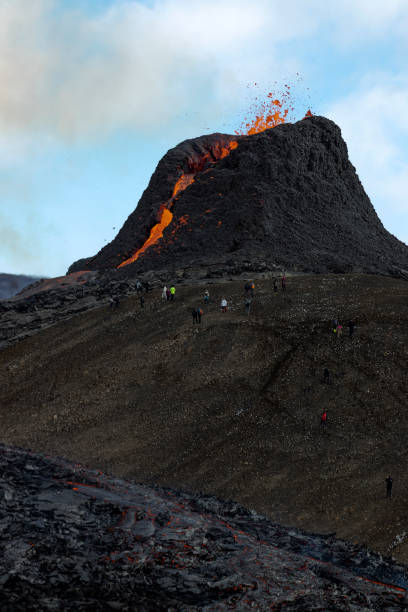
(232, 407)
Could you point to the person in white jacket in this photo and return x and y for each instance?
(224, 305)
(164, 293)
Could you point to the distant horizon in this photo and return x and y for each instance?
(94, 92)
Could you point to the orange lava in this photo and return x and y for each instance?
(269, 110)
(165, 215)
(155, 234)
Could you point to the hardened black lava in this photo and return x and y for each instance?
(77, 539)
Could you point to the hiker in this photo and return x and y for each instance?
(283, 282)
(168, 294)
(172, 292)
(142, 301)
(194, 314)
(164, 293)
(339, 330)
(114, 301)
(326, 376)
(247, 287)
(252, 289)
(388, 482)
(146, 286)
(199, 314)
(275, 285)
(323, 418)
(139, 286)
(224, 305)
(248, 305)
(206, 296)
(350, 326)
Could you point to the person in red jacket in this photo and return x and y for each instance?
(323, 418)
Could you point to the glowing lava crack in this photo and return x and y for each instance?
(218, 151)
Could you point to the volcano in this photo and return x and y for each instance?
(285, 198)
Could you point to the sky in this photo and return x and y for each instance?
(94, 92)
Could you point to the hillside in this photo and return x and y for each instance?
(232, 407)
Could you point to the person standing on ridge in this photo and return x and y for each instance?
(206, 296)
(388, 482)
(323, 418)
(172, 292)
(164, 293)
(199, 314)
(168, 294)
(283, 282)
(339, 330)
(224, 305)
(142, 301)
(194, 315)
(252, 289)
(248, 305)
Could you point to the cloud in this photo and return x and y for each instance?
(71, 74)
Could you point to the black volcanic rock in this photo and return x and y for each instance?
(76, 539)
(285, 198)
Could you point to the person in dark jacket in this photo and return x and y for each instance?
(388, 482)
(248, 305)
(275, 285)
(142, 301)
(194, 315)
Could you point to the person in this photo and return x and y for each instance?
(168, 294)
(248, 305)
(339, 330)
(252, 289)
(142, 301)
(172, 292)
(139, 286)
(323, 418)
(388, 482)
(194, 314)
(224, 305)
(275, 285)
(206, 296)
(350, 326)
(335, 323)
(146, 286)
(199, 314)
(114, 301)
(164, 293)
(283, 282)
(326, 376)
(247, 287)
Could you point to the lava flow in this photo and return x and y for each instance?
(219, 151)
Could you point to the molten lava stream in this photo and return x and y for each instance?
(166, 216)
(155, 234)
